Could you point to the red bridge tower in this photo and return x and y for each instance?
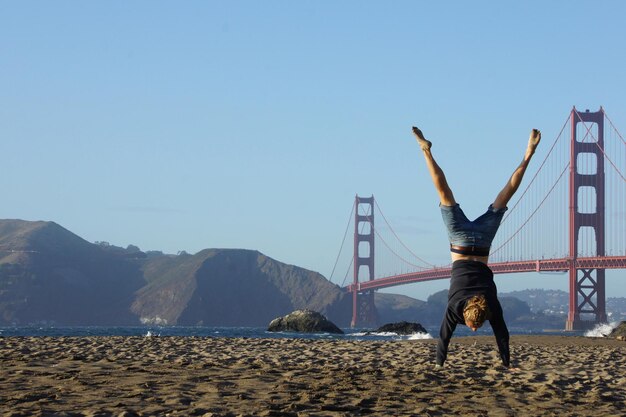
(586, 285)
(363, 308)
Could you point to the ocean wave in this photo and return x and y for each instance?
(153, 320)
(602, 330)
(414, 336)
(420, 336)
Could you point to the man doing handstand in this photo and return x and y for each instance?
(472, 297)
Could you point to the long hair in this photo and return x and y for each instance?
(476, 310)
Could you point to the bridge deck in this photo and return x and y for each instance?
(539, 265)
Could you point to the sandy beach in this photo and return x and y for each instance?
(180, 376)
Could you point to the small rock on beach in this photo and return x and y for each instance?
(304, 321)
(402, 328)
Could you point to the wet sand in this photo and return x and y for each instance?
(180, 376)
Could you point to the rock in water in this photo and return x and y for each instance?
(303, 321)
(402, 328)
(620, 330)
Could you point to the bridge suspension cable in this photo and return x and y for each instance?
(613, 126)
(402, 243)
(533, 213)
(534, 196)
(519, 199)
(395, 253)
(343, 241)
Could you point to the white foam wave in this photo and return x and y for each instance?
(153, 320)
(420, 336)
(414, 336)
(150, 334)
(602, 330)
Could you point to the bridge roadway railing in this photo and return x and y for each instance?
(539, 265)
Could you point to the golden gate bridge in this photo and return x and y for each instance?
(569, 218)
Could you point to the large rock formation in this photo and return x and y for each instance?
(303, 321)
(619, 331)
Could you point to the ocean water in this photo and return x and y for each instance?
(250, 332)
(195, 331)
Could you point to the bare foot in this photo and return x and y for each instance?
(533, 141)
(421, 140)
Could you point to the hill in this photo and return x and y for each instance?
(556, 303)
(49, 275)
(233, 287)
(517, 312)
(394, 308)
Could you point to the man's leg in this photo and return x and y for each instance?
(439, 179)
(516, 179)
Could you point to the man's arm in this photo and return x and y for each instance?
(445, 334)
(500, 331)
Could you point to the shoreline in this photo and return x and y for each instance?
(212, 376)
(248, 332)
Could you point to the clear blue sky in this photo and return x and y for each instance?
(231, 124)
